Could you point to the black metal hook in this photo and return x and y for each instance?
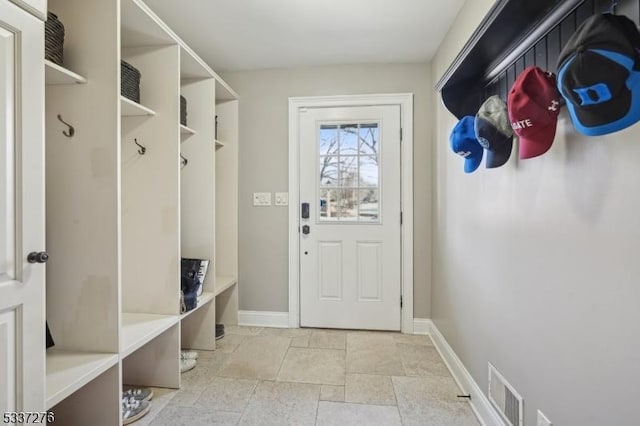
(142, 149)
(184, 161)
(71, 130)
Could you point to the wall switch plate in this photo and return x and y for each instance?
(282, 198)
(261, 199)
(543, 420)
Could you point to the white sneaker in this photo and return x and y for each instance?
(141, 394)
(133, 410)
(188, 355)
(187, 364)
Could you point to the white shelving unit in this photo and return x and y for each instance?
(119, 221)
(55, 74)
(129, 108)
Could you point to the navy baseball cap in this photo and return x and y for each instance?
(493, 131)
(598, 75)
(464, 143)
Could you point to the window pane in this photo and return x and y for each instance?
(348, 204)
(349, 139)
(349, 171)
(329, 169)
(369, 207)
(328, 140)
(369, 139)
(369, 175)
(328, 204)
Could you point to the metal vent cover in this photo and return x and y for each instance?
(504, 398)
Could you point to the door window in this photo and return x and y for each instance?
(349, 172)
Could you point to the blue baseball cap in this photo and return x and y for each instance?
(464, 143)
(599, 76)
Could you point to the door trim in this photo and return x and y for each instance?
(405, 100)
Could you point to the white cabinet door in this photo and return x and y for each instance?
(37, 7)
(22, 284)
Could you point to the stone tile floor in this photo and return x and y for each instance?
(263, 376)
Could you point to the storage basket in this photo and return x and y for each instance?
(183, 110)
(130, 81)
(53, 39)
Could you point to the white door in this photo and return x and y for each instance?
(350, 258)
(22, 284)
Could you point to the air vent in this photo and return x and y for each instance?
(504, 398)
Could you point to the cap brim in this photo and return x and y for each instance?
(581, 116)
(472, 162)
(538, 143)
(499, 156)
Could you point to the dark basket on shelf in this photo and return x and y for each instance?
(130, 81)
(183, 110)
(53, 39)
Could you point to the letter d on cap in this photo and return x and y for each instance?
(600, 90)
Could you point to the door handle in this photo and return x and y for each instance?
(305, 210)
(306, 229)
(38, 257)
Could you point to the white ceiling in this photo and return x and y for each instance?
(258, 34)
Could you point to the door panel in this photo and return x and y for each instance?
(22, 284)
(350, 262)
(7, 361)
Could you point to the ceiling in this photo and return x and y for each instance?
(259, 34)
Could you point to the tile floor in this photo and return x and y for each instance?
(262, 376)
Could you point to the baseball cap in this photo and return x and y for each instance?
(464, 143)
(598, 75)
(534, 105)
(493, 131)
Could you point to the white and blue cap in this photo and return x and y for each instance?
(599, 75)
(464, 143)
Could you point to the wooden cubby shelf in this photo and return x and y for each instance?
(126, 326)
(185, 131)
(55, 74)
(133, 109)
(69, 371)
(140, 329)
(224, 283)
(203, 300)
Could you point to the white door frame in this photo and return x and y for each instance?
(405, 100)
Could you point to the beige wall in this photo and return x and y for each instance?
(536, 265)
(264, 140)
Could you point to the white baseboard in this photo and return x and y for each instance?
(421, 326)
(263, 319)
(479, 402)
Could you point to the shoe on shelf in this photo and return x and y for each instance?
(141, 394)
(219, 331)
(188, 355)
(187, 364)
(133, 410)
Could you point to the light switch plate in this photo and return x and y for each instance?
(282, 198)
(261, 199)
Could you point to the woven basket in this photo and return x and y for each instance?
(183, 110)
(130, 81)
(53, 39)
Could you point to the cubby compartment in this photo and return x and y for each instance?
(156, 363)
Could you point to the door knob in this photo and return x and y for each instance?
(35, 257)
(306, 229)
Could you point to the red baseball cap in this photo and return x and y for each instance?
(534, 105)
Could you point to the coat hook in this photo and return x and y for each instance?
(71, 130)
(142, 149)
(184, 161)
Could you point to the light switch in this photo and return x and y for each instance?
(282, 198)
(261, 199)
